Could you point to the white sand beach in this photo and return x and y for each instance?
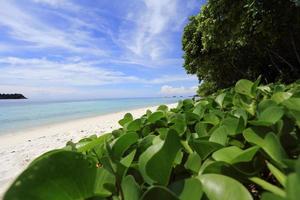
(18, 149)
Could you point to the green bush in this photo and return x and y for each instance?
(238, 144)
(229, 40)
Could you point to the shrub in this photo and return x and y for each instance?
(238, 144)
(230, 40)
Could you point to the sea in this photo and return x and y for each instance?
(16, 115)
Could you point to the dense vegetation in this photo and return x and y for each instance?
(12, 96)
(234, 39)
(239, 144)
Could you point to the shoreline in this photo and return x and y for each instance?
(19, 129)
(19, 148)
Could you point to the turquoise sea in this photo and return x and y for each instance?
(16, 115)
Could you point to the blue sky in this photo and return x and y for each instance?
(64, 49)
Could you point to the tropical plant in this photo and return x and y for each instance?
(242, 39)
(240, 143)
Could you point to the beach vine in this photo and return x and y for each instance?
(240, 143)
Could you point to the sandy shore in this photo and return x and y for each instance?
(18, 149)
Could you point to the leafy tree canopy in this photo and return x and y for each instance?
(233, 39)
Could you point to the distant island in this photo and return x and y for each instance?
(12, 96)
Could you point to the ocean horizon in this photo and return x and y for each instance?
(17, 115)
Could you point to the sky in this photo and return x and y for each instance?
(83, 49)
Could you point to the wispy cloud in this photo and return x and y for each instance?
(58, 3)
(71, 72)
(153, 24)
(79, 45)
(46, 72)
(169, 90)
(25, 26)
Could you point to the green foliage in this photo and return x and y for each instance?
(231, 40)
(239, 143)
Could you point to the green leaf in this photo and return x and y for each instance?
(271, 196)
(127, 118)
(234, 154)
(134, 125)
(292, 187)
(210, 166)
(156, 116)
(281, 96)
(293, 182)
(219, 135)
(193, 162)
(131, 190)
(145, 142)
(144, 159)
(123, 143)
(200, 108)
(200, 129)
(281, 178)
(264, 104)
(211, 119)
(191, 118)
(179, 126)
(269, 116)
(61, 175)
(220, 99)
(159, 193)
(163, 132)
(268, 186)
(96, 142)
(292, 103)
(188, 103)
(244, 87)
(204, 148)
(255, 85)
(270, 144)
(188, 189)
(163, 108)
(156, 163)
(127, 160)
(240, 113)
(220, 187)
(233, 125)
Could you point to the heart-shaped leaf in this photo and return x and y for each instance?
(234, 154)
(269, 116)
(61, 175)
(204, 148)
(188, 189)
(244, 87)
(220, 187)
(123, 143)
(126, 119)
(155, 165)
(193, 162)
(159, 192)
(131, 190)
(156, 116)
(270, 144)
(134, 125)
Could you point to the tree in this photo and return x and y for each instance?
(233, 39)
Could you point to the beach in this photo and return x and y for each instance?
(19, 148)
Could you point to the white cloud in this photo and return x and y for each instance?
(169, 90)
(56, 3)
(25, 26)
(149, 38)
(87, 47)
(173, 78)
(43, 71)
(31, 91)
(71, 72)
